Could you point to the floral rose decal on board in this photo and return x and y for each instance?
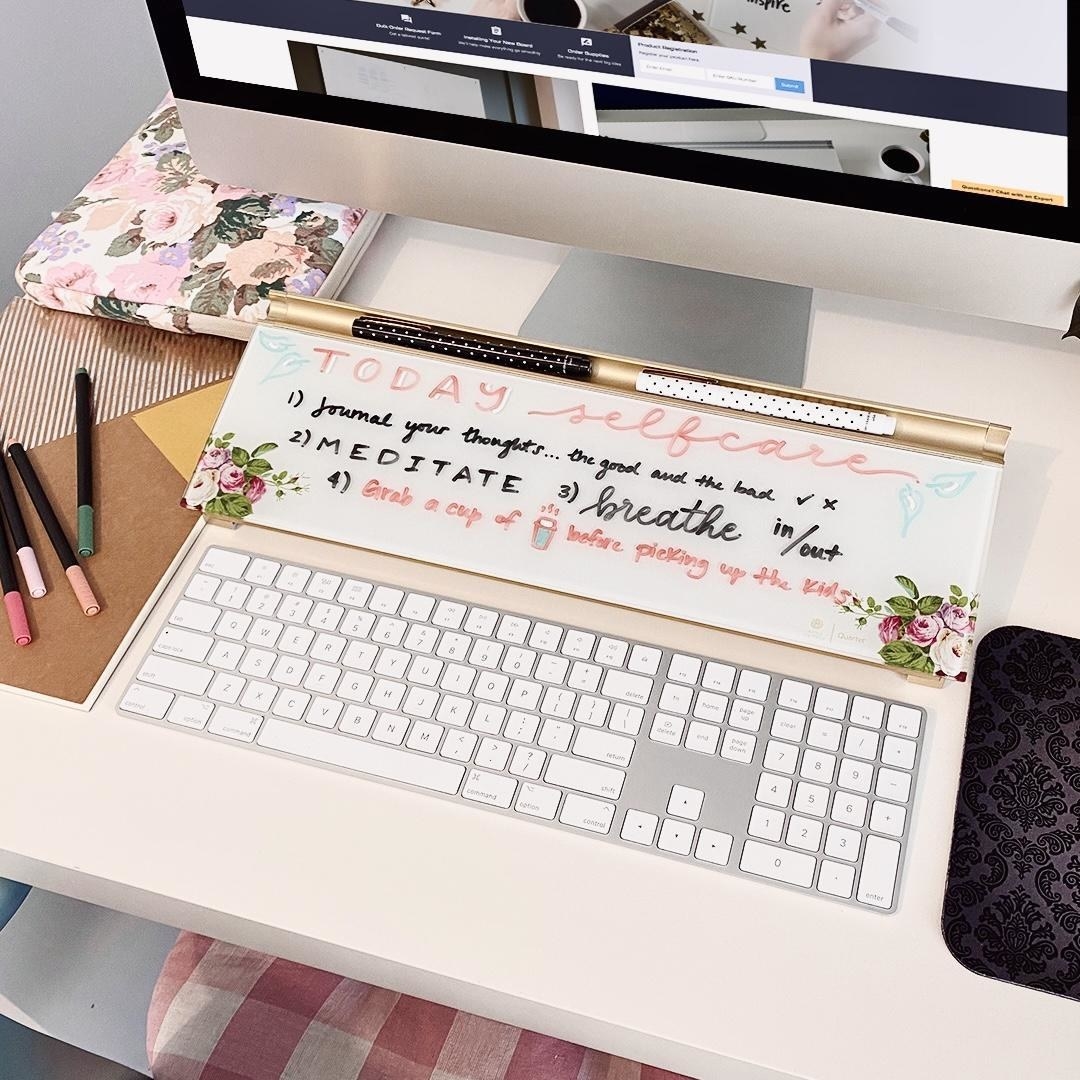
(928, 634)
(230, 480)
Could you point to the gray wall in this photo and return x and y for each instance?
(75, 80)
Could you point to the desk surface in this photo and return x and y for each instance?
(702, 973)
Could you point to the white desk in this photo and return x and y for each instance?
(698, 972)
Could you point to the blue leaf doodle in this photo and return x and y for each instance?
(911, 503)
(289, 358)
(950, 485)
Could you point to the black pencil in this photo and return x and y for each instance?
(35, 583)
(13, 601)
(72, 570)
(85, 462)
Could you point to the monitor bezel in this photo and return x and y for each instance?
(784, 181)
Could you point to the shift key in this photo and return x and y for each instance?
(585, 776)
(174, 675)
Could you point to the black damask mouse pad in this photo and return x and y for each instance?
(1012, 903)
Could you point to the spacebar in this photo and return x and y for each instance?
(381, 761)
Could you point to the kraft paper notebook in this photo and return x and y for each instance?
(777, 522)
(141, 527)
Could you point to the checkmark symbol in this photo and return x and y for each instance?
(805, 499)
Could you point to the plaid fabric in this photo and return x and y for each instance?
(220, 1012)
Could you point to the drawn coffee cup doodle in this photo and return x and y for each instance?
(545, 527)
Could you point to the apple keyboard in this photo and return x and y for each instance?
(720, 766)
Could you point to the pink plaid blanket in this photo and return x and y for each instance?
(220, 1012)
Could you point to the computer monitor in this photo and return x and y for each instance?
(916, 150)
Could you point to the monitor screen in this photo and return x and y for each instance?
(955, 110)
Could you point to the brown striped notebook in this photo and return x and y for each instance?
(140, 525)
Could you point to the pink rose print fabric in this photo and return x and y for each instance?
(150, 240)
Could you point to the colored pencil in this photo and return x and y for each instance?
(13, 601)
(35, 583)
(85, 463)
(72, 570)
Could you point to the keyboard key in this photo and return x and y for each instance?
(841, 843)
(232, 594)
(766, 824)
(190, 713)
(424, 737)
(552, 669)
(168, 674)
(718, 677)
(522, 726)
(558, 702)
(322, 679)
(528, 763)
(418, 639)
(746, 715)
(675, 698)
(861, 744)
(881, 859)
(454, 710)
(538, 801)
(702, 738)
(788, 725)
(893, 785)
(684, 669)
(831, 703)
(738, 747)
(202, 588)
(794, 695)
(355, 686)
(390, 728)
(850, 809)
(854, 775)
(753, 685)
(667, 729)
(867, 712)
(481, 621)
(524, 694)
(359, 624)
(226, 689)
(512, 629)
(591, 710)
(183, 644)
(625, 686)
(323, 586)
(420, 702)
(425, 671)
(354, 593)
(685, 802)
(714, 847)
(555, 735)
(708, 706)
(360, 656)
(493, 754)
(578, 645)
(224, 563)
(817, 766)
(639, 827)
(263, 602)
(226, 655)
(583, 813)
(453, 646)
(258, 696)
(358, 720)
(326, 616)
(644, 660)
(781, 757)
(811, 799)
(545, 637)
(836, 879)
(611, 652)
(804, 833)
(904, 720)
(626, 719)
(292, 579)
(887, 818)
(585, 677)
(773, 790)
(491, 686)
(364, 757)
(457, 679)
(198, 617)
(519, 662)
(385, 600)
(295, 609)
(898, 753)
(234, 724)
(449, 615)
(290, 705)
(791, 867)
(676, 837)
(459, 745)
(264, 632)
(388, 631)
(486, 653)
(146, 701)
(604, 747)
(824, 734)
(233, 626)
(262, 572)
(584, 776)
(325, 712)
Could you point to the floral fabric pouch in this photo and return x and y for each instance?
(150, 240)
(1012, 901)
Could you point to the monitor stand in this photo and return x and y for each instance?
(695, 318)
